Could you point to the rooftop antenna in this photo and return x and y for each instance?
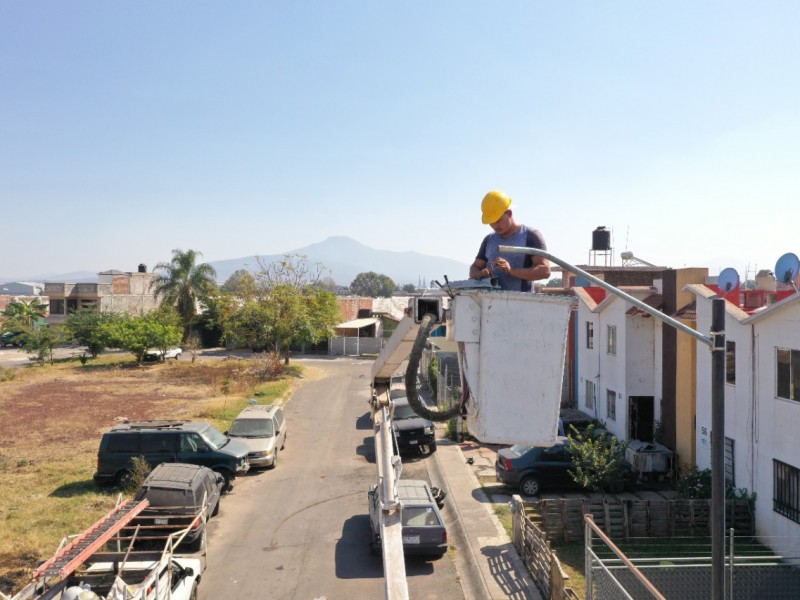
(787, 268)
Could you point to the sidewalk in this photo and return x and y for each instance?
(486, 560)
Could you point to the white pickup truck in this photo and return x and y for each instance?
(99, 564)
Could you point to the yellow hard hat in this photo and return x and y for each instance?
(494, 204)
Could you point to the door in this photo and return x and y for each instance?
(640, 418)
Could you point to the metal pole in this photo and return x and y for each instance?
(716, 341)
(718, 449)
(610, 288)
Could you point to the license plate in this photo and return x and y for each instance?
(411, 539)
(412, 442)
(161, 521)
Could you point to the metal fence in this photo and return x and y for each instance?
(681, 569)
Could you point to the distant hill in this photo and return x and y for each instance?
(342, 257)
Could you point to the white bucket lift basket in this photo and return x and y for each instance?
(511, 347)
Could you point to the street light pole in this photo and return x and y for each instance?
(716, 342)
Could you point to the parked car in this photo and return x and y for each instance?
(424, 531)
(412, 432)
(572, 417)
(155, 354)
(11, 338)
(193, 442)
(262, 428)
(533, 468)
(177, 494)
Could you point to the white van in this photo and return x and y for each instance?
(262, 428)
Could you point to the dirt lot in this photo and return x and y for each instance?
(51, 419)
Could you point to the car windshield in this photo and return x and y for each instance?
(214, 437)
(404, 411)
(519, 450)
(419, 516)
(260, 428)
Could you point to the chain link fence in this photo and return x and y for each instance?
(682, 569)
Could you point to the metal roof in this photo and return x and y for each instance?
(358, 323)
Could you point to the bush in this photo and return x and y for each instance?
(694, 483)
(599, 460)
(140, 469)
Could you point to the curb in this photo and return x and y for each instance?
(481, 545)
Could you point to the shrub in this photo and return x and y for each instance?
(694, 483)
(140, 469)
(599, 460)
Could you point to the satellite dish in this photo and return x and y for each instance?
(787, 268)
(728, 280)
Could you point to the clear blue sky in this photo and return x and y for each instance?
(237, 128)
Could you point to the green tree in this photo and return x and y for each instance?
(40, 342)
(21, 315)
(84, 326)
(241, 284)
(138, 334)
(555, 282)
(290, 309)
(373, 285)
(598, 458)
(408, 287)
(183, 283)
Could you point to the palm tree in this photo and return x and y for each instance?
(25, 314)
(183, 283)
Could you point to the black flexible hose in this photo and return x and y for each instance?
(425, 326)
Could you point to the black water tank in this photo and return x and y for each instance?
(601, 239)
(142, 268)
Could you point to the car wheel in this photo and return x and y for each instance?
(193, 595)
(199, 543)
(529, 486)
(123, 479)
(227, 484)
(432, 447)
(275, 460)
(215, 512)
(283, 445)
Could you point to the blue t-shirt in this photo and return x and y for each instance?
(490, 251)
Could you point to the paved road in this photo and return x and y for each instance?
(301, 531)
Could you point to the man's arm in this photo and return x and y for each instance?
(540, 269)
(479, 270)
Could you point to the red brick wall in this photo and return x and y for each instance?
(350, 305)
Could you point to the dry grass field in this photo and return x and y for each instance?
(51, 420)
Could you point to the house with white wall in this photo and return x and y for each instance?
(616, 361)
(762, 405)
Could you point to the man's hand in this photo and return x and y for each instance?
(501, 264)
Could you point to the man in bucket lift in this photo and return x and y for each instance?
(515, 272)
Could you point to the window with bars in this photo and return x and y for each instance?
(589, 400)
(611, 405)
(730, 479)
(730, 362)
(787, 374)
(612, 339)
(786, 490)
(589, 334)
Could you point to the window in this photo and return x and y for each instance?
(612, 339)
(730, 362)
(788, 374)
(730, 480)
(589, 334)
(159, 443)
(611, 405)
(589, 400)
(56, 307)
(786, 490)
